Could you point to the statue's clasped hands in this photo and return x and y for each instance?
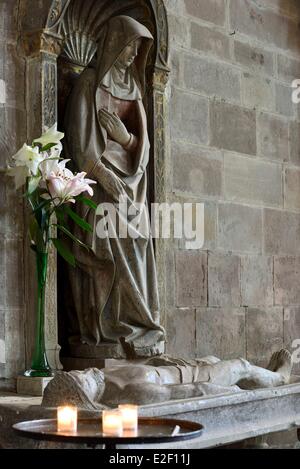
(114, 127)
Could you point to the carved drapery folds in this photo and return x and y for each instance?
(70, 30)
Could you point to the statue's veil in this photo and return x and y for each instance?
(117, 34)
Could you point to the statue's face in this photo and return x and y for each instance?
(130, 52)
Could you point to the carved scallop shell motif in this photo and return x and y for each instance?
(83, 21)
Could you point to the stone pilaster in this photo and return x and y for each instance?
(41, 50)
(159, 161)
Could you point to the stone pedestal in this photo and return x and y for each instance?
(84, 356)
(73, 363)
(31, 386)
(102, 351)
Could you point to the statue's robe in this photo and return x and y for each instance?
(114, 287)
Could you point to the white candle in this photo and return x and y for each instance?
(129, 417)
(112, 422)
(67, 419)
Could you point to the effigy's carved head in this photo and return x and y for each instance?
(81, 388)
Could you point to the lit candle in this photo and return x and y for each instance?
(67, 419)
(112, 422)
(130, 418)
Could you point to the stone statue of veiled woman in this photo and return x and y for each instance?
(114, 286)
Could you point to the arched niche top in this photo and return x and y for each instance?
(44, 30)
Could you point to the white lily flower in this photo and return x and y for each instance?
(50, 136)
(30, 157)
(20, 173)
(50, 166)
(63, 185)
(55, 151)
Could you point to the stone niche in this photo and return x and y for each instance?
(58, 42)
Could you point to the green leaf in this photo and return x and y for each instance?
(68, 233)
(48, 146)
(42, 205)
(80, 221)
(33, 183)
(33, 227)
(60, 215)
(87, 201)
(45, 219)
(36, 234)
(64, 252)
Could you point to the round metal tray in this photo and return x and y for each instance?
(89, 431)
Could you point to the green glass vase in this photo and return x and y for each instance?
(40, 366)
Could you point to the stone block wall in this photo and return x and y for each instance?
(12, 136)
(235, 145)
